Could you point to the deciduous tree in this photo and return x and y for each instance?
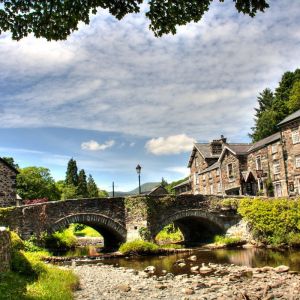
(56, 19)
(36, 182)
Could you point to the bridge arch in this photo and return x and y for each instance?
(113, 232)
(196, 225)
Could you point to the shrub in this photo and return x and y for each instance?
(271, 219)
(61, 239)
(170, 234)
(227, 240)
(294, 239)
(31, 245)
(138, 247)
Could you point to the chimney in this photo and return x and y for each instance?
(217, 145)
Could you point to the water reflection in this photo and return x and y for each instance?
(246, 257)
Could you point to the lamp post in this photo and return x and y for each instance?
(138, 170)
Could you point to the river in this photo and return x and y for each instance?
(252, 257)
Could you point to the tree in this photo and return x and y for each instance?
(35, 183)
(163, 183)
(103, 194)
(273, 108)
(82, 191)
(71, 174)
(294, 99)
(11, 162)
(56, 19)
(92, 187)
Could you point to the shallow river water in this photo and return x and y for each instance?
(247, 257)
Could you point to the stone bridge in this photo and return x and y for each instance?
(123, 219)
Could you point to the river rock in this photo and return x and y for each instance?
(181, 265)
(124, 287)
(281, 269)
(195, 269)
(193, 258)
(188, 291)
(150, 269)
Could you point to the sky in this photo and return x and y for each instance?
(113, 96)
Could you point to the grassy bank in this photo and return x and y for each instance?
(170, 234)
(31, 278)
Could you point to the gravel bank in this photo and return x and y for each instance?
(209, 282)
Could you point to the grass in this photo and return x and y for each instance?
(30, 278)
(138, 247)
(62, 239)
(226, 240)
(169, 235)
(87, 232)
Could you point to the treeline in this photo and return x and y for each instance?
(37, 183)
(273, 107)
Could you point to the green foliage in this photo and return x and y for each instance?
(293, 239)
(69, 191)
(56, 19)
(61, 239)
(16, 242)
(103, 194)
(294, 98)
(83, 230)
(82, 190)
(31, 245)
(170, 186)
(71, 174)
(144, 233)
(170, 234)
(274, 108)
(11, 162)
(35, 183)
(226, 240)
(272, 220)
(138, 247)
(92, 187)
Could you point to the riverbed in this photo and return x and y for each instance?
(222, 282)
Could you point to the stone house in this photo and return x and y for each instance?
(270, 166)
(183, 187)
(8, 174)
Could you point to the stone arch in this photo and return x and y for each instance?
(195, 224)
(113, 232)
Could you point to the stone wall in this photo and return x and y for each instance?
(292, 152)
(5, 250)
(7, 185)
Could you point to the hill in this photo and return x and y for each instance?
(145, 187)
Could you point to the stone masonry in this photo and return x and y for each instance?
(7, 184)
(5, 250)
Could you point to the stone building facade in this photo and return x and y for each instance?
(5, 250)
(8, 176)
(270, 166)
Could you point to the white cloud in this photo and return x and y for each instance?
(183, 171)
(115, 76)
(174, 144)
(95, 146)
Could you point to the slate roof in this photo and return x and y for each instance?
(205, 150)
(239, 149)
(212, 167)
(268, 140)
(291, 117)
(186, 182)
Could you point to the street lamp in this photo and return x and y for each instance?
(138, 170)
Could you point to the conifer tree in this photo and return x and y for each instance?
(82, 191)
(71, 174)
(92, 187)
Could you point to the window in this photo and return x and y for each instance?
(218, 172)
(209, 174)
(197, 179)
(297, 185)
(219, 187)
(211, 189)
(295, 136)
(258, 163)
(196, 162)
(278, 189)
(297, 161)
(230, 170)
(274, 148)
(276, 167)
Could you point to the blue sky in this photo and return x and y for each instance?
(113, 95)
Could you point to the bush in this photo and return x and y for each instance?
(138, 247)
(30, 245)
(170, 234)
(61, 239)
(226, 240)
(272, 220)
(294, 239)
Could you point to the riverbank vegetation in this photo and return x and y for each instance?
(170, 234)
(273, 221)
(139, 247)
(227, 240)
(31, 278)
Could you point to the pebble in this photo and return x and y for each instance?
(103, 282)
